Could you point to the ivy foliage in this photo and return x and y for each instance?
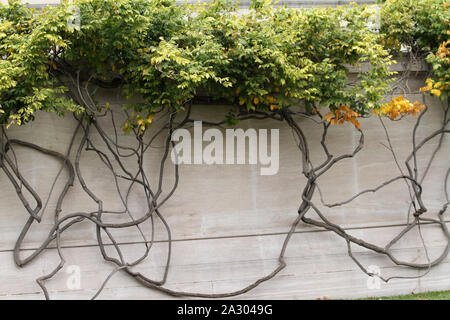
(265, 59)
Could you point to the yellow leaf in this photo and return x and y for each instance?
(274, 107)
(436, 92)
(271, 99)
(355, 123)
(328, 116)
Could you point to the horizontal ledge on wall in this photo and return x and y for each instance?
(402, 64)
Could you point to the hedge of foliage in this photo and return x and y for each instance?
(267, 59)
(423, 27)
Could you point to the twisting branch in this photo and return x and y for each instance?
(154, 196)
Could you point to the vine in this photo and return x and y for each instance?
(280, 64)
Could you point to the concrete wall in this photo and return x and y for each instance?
(229, 222)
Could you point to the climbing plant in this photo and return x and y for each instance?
(422, 29)
(268, 63)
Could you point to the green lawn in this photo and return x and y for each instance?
(438, 295)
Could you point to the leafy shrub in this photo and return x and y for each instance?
(439, 85)
(420, 25)
(28, 45)
(264, 60)
(423, 26)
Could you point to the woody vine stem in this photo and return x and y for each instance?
(154, 199)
